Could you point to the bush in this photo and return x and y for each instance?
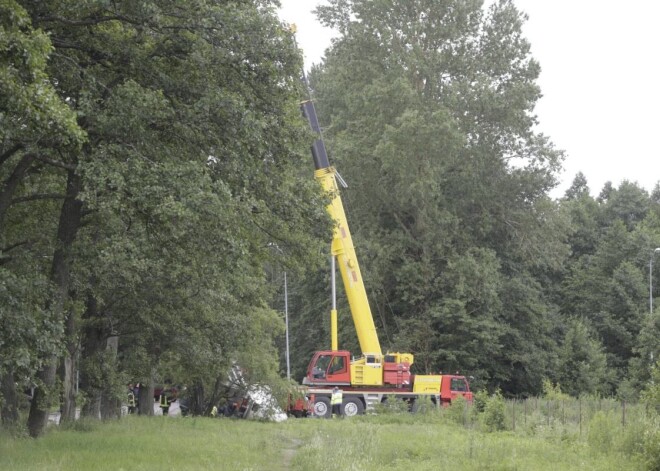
(479, 401)
(651, 394)
(632, 439)
(392, 405)
(458, 411)
(602, 430)
(651, 447)
(83, 424)
(494, 415)
(553, 392)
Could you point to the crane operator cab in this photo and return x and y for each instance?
(329, 367)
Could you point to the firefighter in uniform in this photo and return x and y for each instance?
(335, 401)
(167, 397)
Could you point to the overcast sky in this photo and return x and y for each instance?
(600, 82)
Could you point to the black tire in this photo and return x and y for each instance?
(352, 406)
(322, 408)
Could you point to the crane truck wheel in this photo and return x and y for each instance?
(322, 407)
(352, 406)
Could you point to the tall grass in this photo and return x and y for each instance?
(449, 438)
(370, 443)
(150, 443)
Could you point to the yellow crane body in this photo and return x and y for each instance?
(343, 249)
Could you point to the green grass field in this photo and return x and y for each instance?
(431, 441)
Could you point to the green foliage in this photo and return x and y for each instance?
(28, 332)
(631, 439)
(30, 109)
(494, 415)
(392, 406)
(651, 393)
(651, 447)
(368, 442)
(606, 286)
(582, 362)
(480, 400)
(84, 424)
(193, 169)
(150, 159)
(602, 432)
(459, 411)
(424, 112)
(553, 392)
(639, 440)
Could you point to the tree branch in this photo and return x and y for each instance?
(55, 163)
(4, 259)
(87, 21)
(11, 151)
(39, 196)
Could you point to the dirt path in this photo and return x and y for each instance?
(289, 452)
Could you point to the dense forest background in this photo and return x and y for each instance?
(156, 184)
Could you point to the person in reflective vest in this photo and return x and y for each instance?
(132, 402)
(335, 401)
(167, 397)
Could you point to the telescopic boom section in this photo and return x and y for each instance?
(342, 243)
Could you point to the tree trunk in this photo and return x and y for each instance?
(197, 399)
(9, 186)
(215, 397)
(68, 369)
(70, 216)
(42, 398)
(146, 399)
(9, 410)
(92, 341)
(92, 407)
(110, 405)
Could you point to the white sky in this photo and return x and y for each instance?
(600, 81)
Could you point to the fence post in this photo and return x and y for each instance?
(514, 415)
(465, 414)
(623, 417)
(580, 413)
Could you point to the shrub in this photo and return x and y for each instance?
(391, 405)
(480, 400)
(553, 391)
(632, 438)
(651, 447)
(651, 394)
(602, 432)
(83, 424)
(458, 411)
(494, 416)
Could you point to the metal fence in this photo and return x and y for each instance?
(575, 412)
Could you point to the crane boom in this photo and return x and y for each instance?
(367, 380)
(342, 243)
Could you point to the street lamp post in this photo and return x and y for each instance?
(286, 314)
(286, 324)
(651, 280)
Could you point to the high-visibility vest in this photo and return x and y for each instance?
(163, 401)
(131, 399)
(336, 398)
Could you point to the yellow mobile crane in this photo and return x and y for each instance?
(373, 376)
